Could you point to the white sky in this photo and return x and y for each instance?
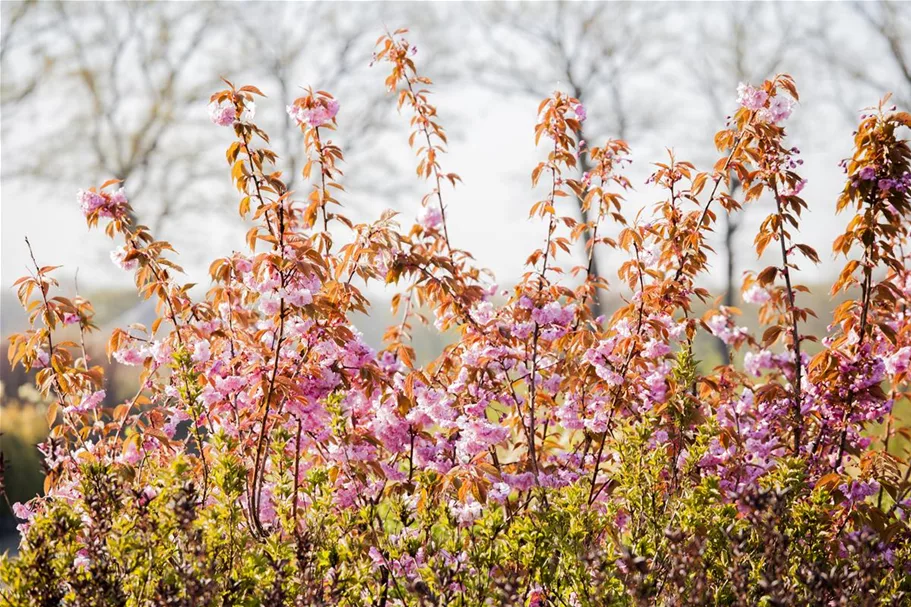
(492, 149)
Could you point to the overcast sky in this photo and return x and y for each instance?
(492, 149)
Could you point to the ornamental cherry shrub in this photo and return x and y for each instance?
(269, 456)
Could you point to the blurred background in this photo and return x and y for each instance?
(97, 90)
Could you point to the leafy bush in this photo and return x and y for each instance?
(269, 456)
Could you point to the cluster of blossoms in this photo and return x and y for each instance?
(768, 109)
(224, 112)
(430, 217)
(102, 204)
(723, 327)
(317, 115)
(544, 444)
(886, 184)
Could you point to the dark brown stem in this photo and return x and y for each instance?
(592, 495)
(58, 388)
(866, 290)
(424, 119)
(795, 333)
(532, 389)
(260, 458)
(297, 459)
(323, 190)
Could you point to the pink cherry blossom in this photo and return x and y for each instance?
(223, 113)
(431, 217)
(751, 98)
(118, 256)
(131, 455)
(200, 352)
(581, 113)
(130, 356)
(779, 109)
(23, 511)
(898, 362)
(102, 204)
(756, 295)
(42, 359)
(867, 174)
(88, 403)
(82, 560)
(316, 116)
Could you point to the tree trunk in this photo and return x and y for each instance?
(590, 216)
(730, 229)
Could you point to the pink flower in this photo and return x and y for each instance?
(160, 351)
(82, 559)
(249, 111)
(499, 492)
(119, 198)
(717, 324)
(722, 328)
(377, 557)
(267, 513)
(483, 312)
(581, 113)
(756, 295)
(90, 201)
(867, 174)
(431, 217)
(230, 384)
(149, 493)
(898, 362)
(755, 363)
(332, 108)
(520, 482)
(886, 184)
(23, 511)
(104, 205)
(298, 296)
(316, 116)
(118, 256)
(223, 113)
(797, 189)
(129, 356)
(466, 513)
(201, 352)
(88, 403)
(751, 98)
(70, 319)
(656, 349)
(858, 491)
(42, 358)
(779, 109)
(131, 455)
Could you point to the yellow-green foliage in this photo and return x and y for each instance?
(23, 425)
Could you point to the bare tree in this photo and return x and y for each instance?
(742, 42)
(883, 25)
(288, 46)
(120, 85)
(120, 91)
(17, 29)
(592, 51)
